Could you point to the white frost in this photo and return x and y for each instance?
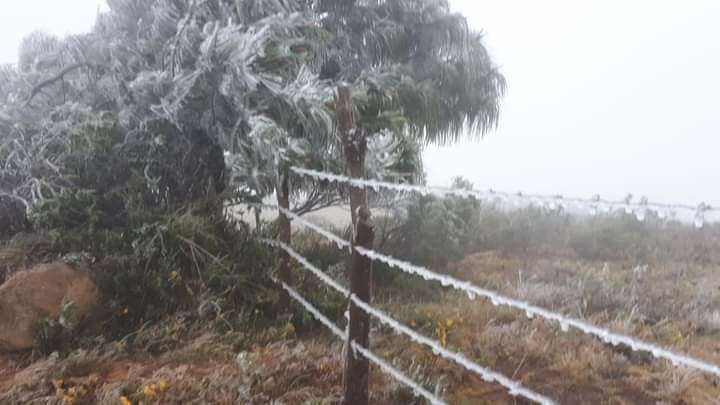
(395, 373)
(531, 310)
(488, 375)
(592, 205)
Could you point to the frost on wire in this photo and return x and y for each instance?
(319, 273)
(565, 322)
(395, 373)
(530, 310)
(340, 242)
(698, 215)
(514, 388)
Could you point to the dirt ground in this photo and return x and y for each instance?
(180, 361)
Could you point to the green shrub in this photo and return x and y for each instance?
(147, 208)
(435, 231)
(184, 261)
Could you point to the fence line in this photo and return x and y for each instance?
(395, 373)
(594, 205)
(340, 242)
(514, 388)
(487, 375)
(309, 266)
(531, 310)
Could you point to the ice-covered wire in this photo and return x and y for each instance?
(309, 266)
(340, 242)
(513, 387)
(595, 204)
(395, 373)
(532, 310)
(473, 291)
(385, 366)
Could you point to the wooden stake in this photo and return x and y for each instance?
(357, 371)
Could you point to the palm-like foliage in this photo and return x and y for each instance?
(210, 65)
(415, 60)
(257, 76)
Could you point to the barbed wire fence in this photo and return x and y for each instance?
(699, 214)
(395, 373)
(514, 388)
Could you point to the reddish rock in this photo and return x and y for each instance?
(30, 296)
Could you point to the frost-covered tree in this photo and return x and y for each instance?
(247, 74)
(195, 85)
(258, 75)
(246, 85)
(215, 71)
(415, 68)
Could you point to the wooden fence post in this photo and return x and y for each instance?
(285, 235)
(357, 371)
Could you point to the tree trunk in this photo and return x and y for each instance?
(355, 157)
(356, 377)
(283, 200)
(256, 210)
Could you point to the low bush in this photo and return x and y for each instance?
(145, 209)
(434, 231)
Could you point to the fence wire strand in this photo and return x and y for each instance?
(514, 387)
(473, 291)
(595, 204)
(382, 364)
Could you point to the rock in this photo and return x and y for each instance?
(30, 296)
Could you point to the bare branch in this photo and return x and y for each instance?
(17, 198)
(317, 204)
(38, 87)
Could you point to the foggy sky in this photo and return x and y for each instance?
(604, 97)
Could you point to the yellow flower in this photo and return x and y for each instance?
(150, 391)
(441, 332)
(288, 330)
(125, 401)
(70, 396)
(450, 323)
(163, 385)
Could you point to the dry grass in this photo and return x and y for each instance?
(180, 362)
(654, 304)
(675, 304)
(177, 362)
